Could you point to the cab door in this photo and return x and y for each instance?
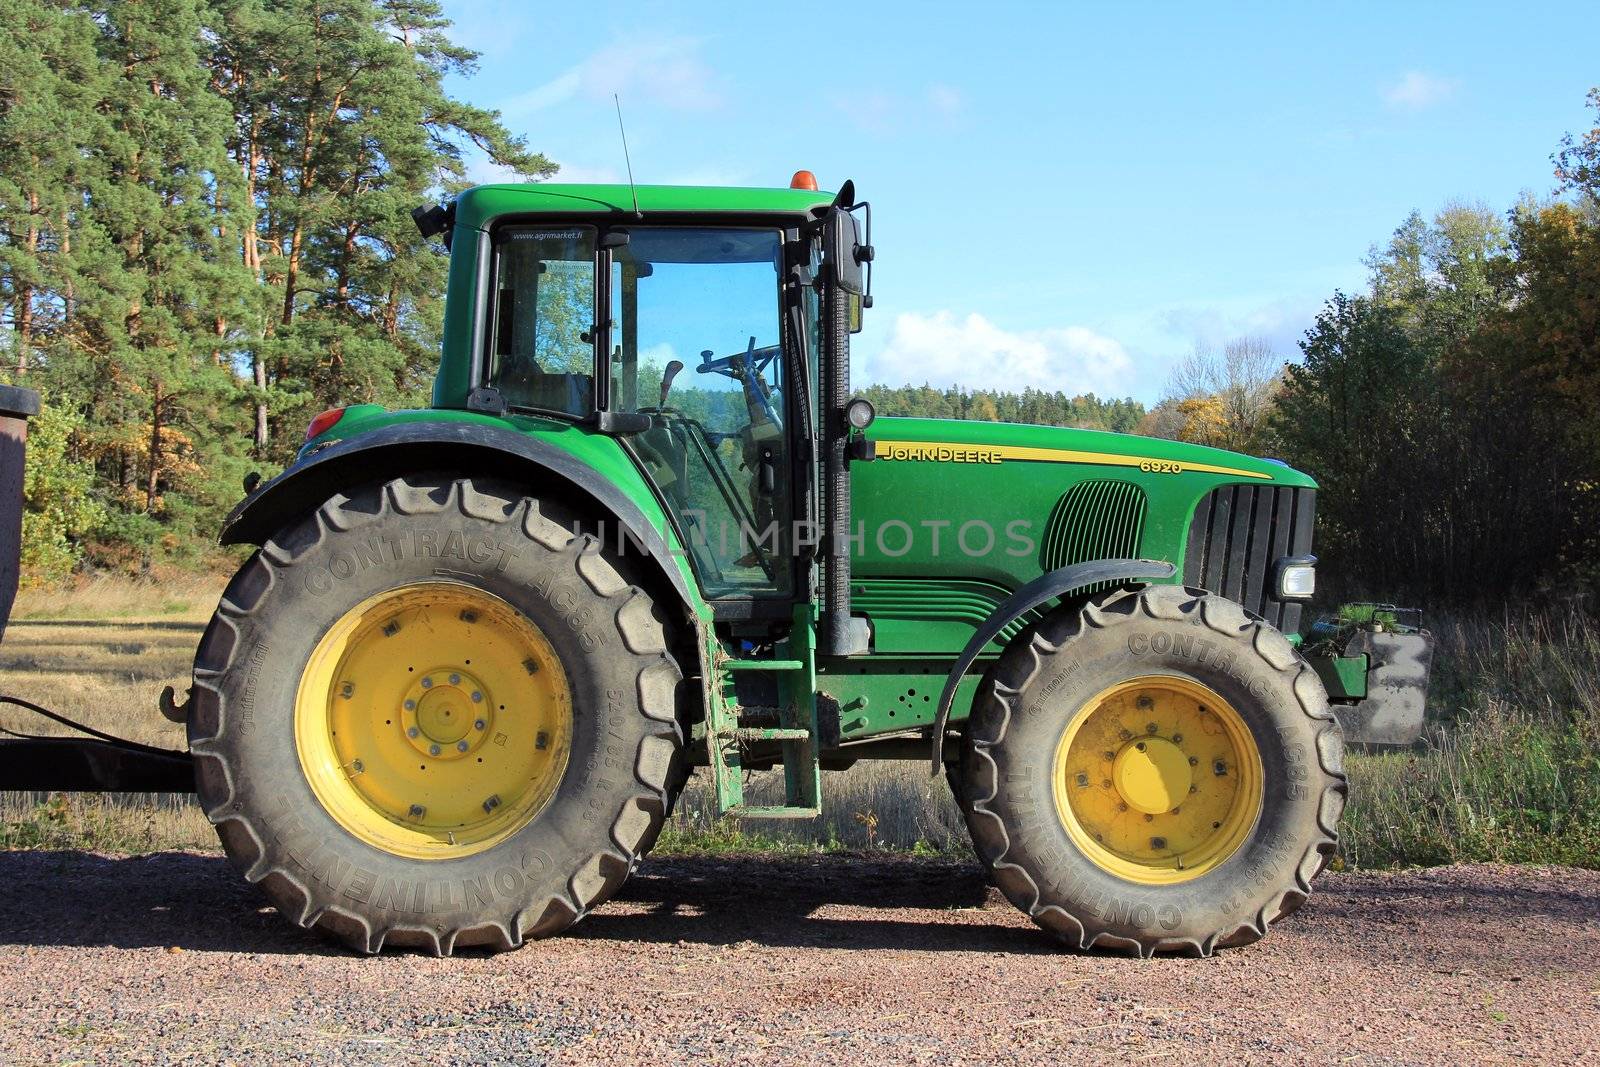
(697, 345)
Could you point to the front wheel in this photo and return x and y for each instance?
(1158, 771)
(430, 715)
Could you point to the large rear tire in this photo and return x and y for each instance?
(1157, 772)
(429, 715)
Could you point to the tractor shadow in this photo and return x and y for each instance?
(197, 902)
(837, 900)
(175, 900)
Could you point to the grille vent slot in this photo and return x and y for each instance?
(1238, 532)
(1099, 519)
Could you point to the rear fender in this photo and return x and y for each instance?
(465, 448)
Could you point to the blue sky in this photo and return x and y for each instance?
(1064, 196)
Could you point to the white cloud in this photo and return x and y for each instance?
(1416, 91)
(665, 71)
(879, 111)
(947, 101)
(942, 350)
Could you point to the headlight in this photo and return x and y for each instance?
(1296, 577)
(860, 413)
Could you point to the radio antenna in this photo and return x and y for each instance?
(626, 158)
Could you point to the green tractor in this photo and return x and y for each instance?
(645, 527)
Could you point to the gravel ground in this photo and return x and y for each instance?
(170, 958)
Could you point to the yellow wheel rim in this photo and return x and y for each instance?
(1158, 780)
(433, 721)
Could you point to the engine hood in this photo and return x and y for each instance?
(965, 442)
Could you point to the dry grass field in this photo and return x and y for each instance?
(100, 653)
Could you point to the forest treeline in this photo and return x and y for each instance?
(1450, 411)
(205, 238)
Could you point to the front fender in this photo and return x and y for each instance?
(1036, 593)
(470, 448)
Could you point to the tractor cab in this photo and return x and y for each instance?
(695, 363)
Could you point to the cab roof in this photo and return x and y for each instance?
(478, 205)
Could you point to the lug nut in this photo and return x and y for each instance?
(1125, 734)
(412, 732)
(1193, 761)
(455, 679)
(531, 666)
(1149, 818)
(1150, 728)
(1145, 702)
(411, 705)
(347, 690)
(477, 697)
(418, 811)
(1122, 807)
(461, 746)
(1220, 768)
(492, 803)
(427, 683)
(542, 740)
(1083, 779)
(1177, 739)
(433, 750)
(478, 724)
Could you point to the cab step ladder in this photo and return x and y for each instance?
(733, 730)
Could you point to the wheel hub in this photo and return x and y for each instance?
(447, 713)
(1151, 775)
(434, 720)
(1158, 779)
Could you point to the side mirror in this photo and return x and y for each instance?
(841, 248)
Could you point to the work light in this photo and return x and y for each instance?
(860, 413)
(1296, 577)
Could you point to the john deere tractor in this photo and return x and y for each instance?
(645, 527)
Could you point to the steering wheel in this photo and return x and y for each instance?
(756, 359)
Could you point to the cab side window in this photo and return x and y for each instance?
(541, 341)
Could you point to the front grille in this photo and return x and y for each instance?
(1238, 532)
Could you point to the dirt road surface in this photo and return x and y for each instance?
(826, 959)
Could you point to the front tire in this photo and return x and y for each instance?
(1157, 772)
(430, 715)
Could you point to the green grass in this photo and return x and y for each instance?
(1510, 770)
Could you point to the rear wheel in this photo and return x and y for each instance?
(430, 715)
(1157, 772)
